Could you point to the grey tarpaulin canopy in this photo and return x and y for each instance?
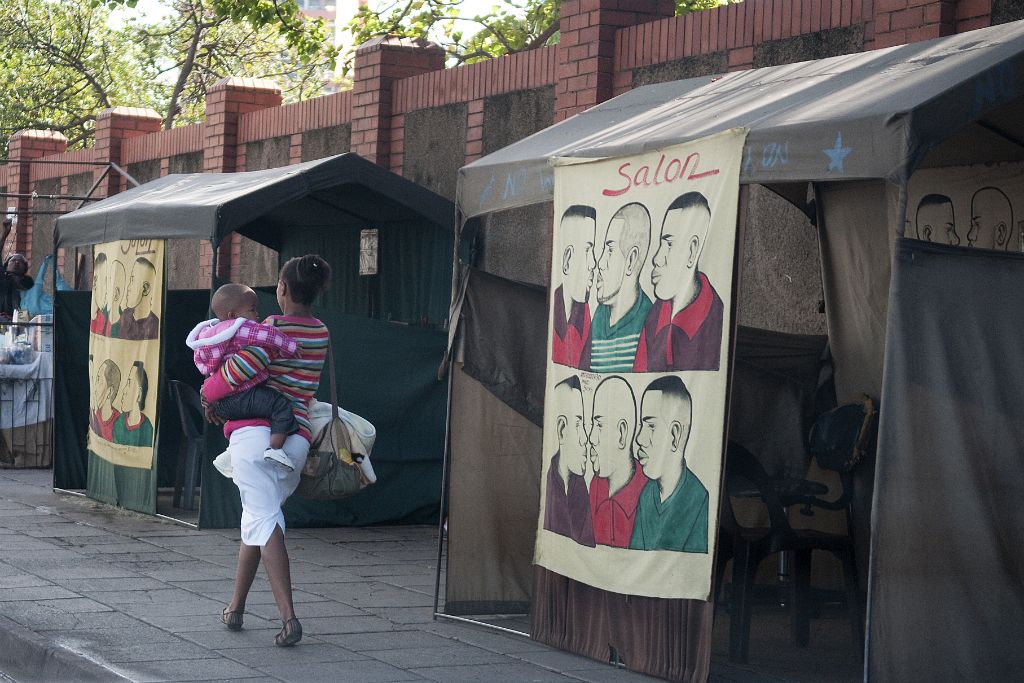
(212, 205)
(891, 107)
(856, 128)
(385, 327)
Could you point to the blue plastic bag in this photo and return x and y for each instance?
(36, 299)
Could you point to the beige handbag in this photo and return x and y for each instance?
(330, 472)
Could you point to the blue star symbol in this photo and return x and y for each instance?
(837, 155)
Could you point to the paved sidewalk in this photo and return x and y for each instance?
(90, 593)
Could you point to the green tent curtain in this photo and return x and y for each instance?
(413, 283)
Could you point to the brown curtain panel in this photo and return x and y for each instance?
(670, 639)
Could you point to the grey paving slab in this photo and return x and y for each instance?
(21, 581)
(489, 640)
(610, 674)
(375, 570)
(157, 596)
(305, 610)
(184, 670)
(388, 640)
(50, 620)
(325, 625)
(223, 639)
(209, 621)
(304, 653)
(152, 652)
(197, 605)
(360, 671)
(489, 673)
(46, 592)
(119, 546)
(448, 655)
(404, 615)
(73, 605)
(103, 640)
(561, 661)
(19, 542)
(117, 583)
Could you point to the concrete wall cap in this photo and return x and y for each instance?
(37, 134)
(248, 84)
(381, 42)
(129, 112)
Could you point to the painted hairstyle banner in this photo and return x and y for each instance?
(968, 206)
(124, 370)
(634, 418)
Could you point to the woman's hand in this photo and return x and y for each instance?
(211, 415)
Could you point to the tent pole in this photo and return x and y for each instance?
(445, 472)
(446, 461)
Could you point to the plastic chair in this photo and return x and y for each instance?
(190, 411)
(748, 546)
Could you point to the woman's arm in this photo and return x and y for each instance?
(238, 369)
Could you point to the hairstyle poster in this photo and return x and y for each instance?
(124, 358)
(968, 206)
(643, 254)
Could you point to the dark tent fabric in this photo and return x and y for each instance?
(886, 108)
(505, 328)
(268, 204)
(71, 388)
(947, 563)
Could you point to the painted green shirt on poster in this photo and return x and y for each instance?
(679, 523)
(137, 435)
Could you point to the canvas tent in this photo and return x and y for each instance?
(841, 138)
(386, 328)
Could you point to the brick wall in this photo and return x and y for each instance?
(409, 114)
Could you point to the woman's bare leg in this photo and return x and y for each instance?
(245, 572)
(275, 560)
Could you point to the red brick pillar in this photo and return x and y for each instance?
(586, 49)
(228, 99)
(908, 21)
(26, 145)
(378, 64)
(113, 127)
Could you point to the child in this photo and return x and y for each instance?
(215, 341)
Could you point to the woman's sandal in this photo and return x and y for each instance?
(290, 633)
(233, 620)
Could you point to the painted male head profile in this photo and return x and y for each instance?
(666, 413)
(99, 280)
(115, 289)
(576, 263)
(105, 385)
(136, 387)
(138, 296)
(935, 221)
(570, 428)
(613, 429)
(991, 219)
(677, 258)
(623, 252)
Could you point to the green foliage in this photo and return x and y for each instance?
(308, 38)
(511, 25)
(62, 61)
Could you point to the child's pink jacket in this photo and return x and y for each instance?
(213, 341)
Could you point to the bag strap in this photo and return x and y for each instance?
(333, 379)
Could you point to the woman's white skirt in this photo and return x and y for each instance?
(262, 485)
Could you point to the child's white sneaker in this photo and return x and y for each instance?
(223, 464)
(278, 458)
(364, 464)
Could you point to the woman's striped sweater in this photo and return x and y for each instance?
(297, 378)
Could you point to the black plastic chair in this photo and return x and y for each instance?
(748, 546)
(190, 411)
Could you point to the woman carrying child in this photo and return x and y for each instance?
(262, 484)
